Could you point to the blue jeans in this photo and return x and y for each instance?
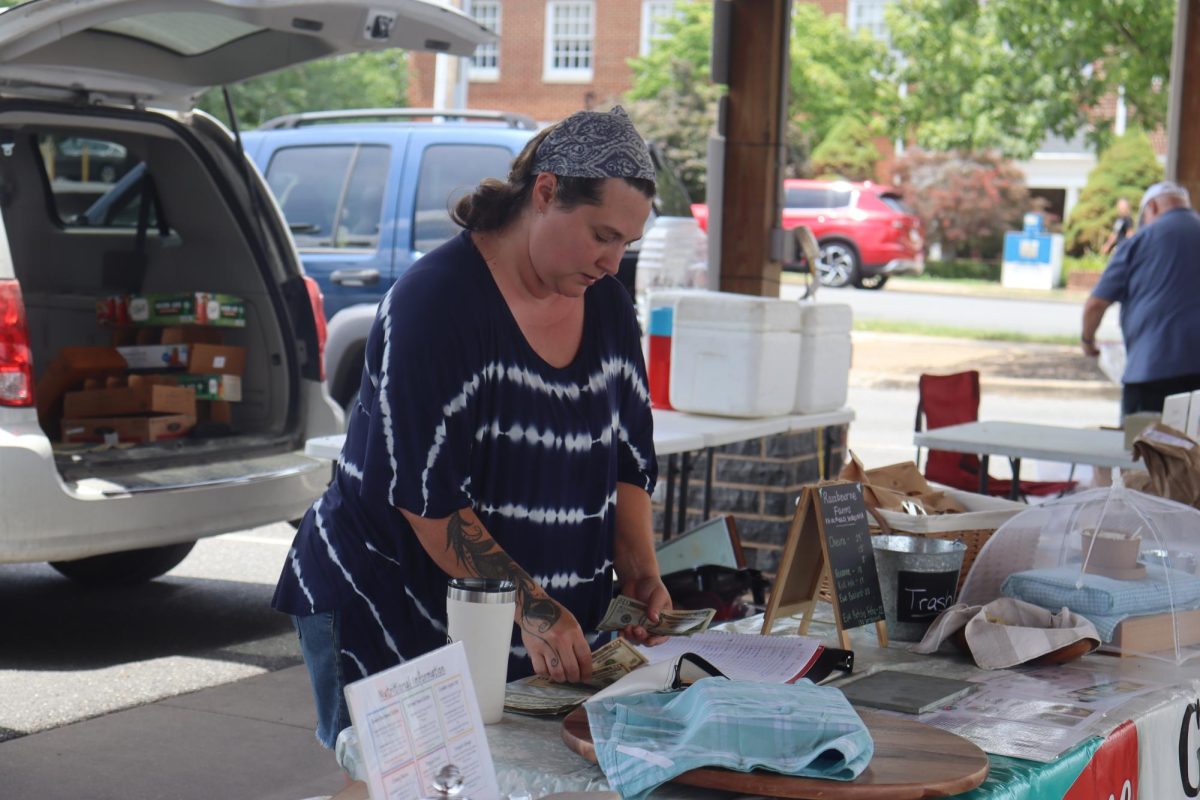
(320, 643)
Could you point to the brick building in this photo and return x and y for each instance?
(559, 56)
(554, 56)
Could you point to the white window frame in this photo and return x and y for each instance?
(854, 13)
(491, 51)
(652, 15)
(558, 74)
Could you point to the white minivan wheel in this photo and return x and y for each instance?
(126, 568)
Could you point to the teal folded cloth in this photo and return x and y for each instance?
(1105, 601)
(801, 729)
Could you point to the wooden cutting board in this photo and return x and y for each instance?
(911, 761)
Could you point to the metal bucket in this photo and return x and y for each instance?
(918, 578)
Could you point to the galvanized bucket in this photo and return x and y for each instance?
(918, 578)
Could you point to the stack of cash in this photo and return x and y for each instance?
(624, 611)
(540, 696)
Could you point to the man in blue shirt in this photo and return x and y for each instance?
(1155, 276)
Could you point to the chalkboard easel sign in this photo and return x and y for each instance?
(829, 535)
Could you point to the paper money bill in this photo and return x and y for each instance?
(540, 696)
(624, 611)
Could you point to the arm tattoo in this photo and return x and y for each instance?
(478, 552)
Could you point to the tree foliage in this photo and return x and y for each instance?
(1125, 169)
(965, 200)
(834, 73)
(1002, 73)
(848, 151)
(361, 80)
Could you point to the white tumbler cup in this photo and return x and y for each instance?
(479, 613)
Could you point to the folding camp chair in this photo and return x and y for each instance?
(953, 400)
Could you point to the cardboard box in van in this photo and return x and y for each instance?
(112, 430)
(130, 400)
(215, 359)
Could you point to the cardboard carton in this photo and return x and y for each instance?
(190, 334)
(215, 359)
(112, 430)
(172, 308)
(155, 356)
(69, 369)
(212, 387)
(130, 400)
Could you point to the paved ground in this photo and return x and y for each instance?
(884, 360)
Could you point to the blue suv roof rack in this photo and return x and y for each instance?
(510, 119)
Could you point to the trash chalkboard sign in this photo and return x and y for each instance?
(829, 536)
(921, 596)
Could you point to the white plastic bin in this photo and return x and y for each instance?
(734, 355)
(823, 376)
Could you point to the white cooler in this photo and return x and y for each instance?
(735, 355)
(824, 372)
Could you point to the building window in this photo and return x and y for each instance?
(485, 64)
(655, 14)
(570, 27)
(868, 15)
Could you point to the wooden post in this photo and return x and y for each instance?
(1183, 157)
(754, 131)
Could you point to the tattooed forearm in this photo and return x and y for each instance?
(479, 553)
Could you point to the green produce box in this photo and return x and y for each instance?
(212, 387)
(185, 308)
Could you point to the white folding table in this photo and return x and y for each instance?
(1017, 440)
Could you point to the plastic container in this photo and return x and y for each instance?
(823, 376)
(658, 361)
(734, 355)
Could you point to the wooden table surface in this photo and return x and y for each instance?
(911, 761)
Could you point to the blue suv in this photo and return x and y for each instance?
(367, 192)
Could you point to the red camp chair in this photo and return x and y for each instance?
(952, 400)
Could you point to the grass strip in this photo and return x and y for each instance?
(951, 332)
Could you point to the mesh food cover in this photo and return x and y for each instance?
(1125, 560)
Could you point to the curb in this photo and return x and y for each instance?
(1025, 386)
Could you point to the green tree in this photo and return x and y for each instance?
(1125, 169)
(833, 73)
(361, 80)
(1001, 73)
(848, 151)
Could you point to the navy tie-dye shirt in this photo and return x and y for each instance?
(456, 410)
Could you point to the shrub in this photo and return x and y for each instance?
(963, 269)
(848, 152)
(1125, 169)
(1091, 262)
(966, 200)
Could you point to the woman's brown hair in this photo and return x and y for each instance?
(494, 204)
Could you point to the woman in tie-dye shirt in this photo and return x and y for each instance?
(502, 430)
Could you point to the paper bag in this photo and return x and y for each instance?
(1172, 464)
(897, 486)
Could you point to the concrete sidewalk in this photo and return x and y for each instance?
(248, 740)
(893, 360)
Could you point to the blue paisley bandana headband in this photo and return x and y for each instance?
(595, 144)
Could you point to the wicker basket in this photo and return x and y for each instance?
(972, 527)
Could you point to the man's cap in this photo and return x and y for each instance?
(1158, 190)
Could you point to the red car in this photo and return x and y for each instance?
(865, 231)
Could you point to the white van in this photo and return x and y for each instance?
(89, 90)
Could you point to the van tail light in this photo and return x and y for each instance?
(317, 301)
(16, 362)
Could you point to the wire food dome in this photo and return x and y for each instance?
(1125, 560)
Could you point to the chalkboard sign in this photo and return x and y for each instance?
(829, 536)
(921, 596)
(849, 554)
